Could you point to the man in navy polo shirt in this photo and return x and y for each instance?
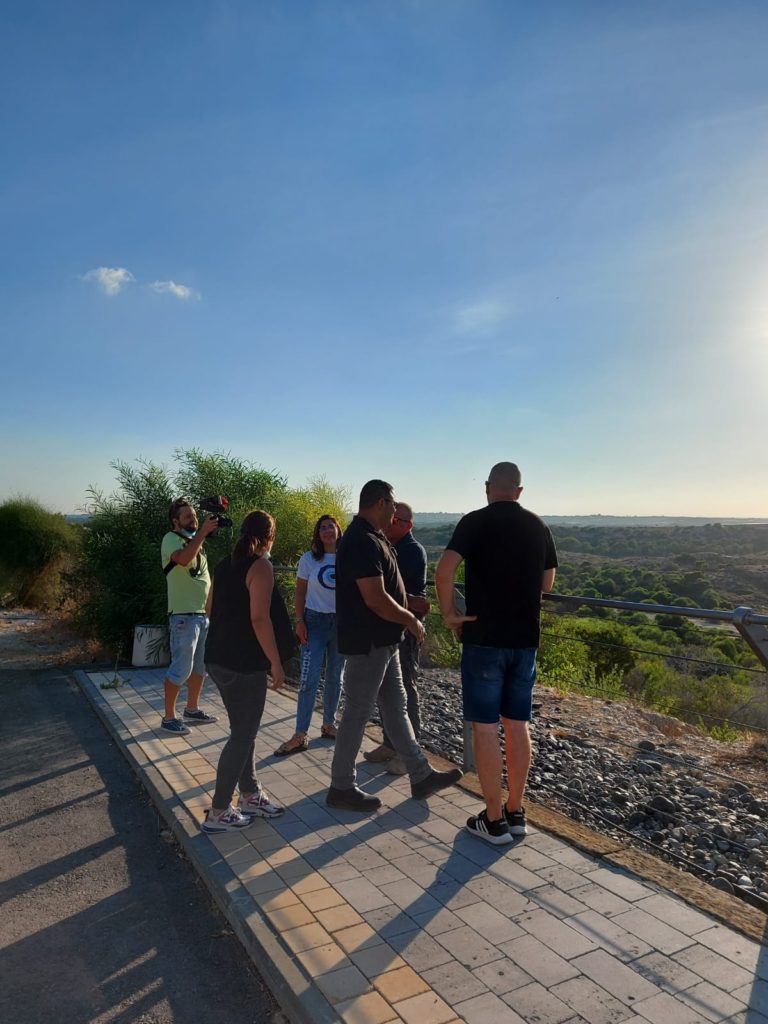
(371, 613)
(412, 562)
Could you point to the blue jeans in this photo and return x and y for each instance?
(497, 682)
(321, 644)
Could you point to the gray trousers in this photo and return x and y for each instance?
(368, 678)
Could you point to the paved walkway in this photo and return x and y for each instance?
(402, 916)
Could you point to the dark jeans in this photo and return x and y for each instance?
(244, 695)
(409, 668)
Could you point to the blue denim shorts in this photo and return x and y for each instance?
(497, 682)
(188, 633)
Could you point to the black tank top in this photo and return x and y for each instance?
(231, 641)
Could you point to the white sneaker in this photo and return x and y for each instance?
(260, 805)
(226, 822)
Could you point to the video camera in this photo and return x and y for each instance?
(217, 506)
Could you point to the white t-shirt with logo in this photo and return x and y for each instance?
(321, 581)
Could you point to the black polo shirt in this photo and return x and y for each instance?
(506, 549)
(365, 552)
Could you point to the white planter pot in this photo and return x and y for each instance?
(150, 647)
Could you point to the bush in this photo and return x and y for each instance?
(120, 581)
(36, 546)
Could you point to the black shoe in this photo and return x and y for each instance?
(496, 832)
(353, 799)
(516, 822)
(434, 782)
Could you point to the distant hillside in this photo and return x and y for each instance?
(443, 518)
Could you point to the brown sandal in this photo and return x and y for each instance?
(295, 745)
(328, 732)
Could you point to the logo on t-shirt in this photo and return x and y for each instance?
(326, 577)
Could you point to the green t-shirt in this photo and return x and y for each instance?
(186, 593)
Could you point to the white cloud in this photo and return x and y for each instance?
(179, 290)
(111, 280)
(482, 317)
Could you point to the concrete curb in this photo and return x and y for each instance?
(298, 997)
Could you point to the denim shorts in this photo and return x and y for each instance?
(188, 633)
(497, 682)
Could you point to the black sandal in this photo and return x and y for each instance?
(284, 750)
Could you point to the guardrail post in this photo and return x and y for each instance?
(755, 635)
(469, 751)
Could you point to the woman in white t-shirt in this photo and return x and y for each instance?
(315, 608)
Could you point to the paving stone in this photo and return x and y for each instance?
(555, 934)
(541, 963)
(410, 897)
(518, 877)
(285, 918)
(621, 981)
(596, 898)
(714, 968)
(382, 876)
(322, 899)
(667, 1009)
(499, 893)
(746, 1017)
(754, 995)
(592, 1002)
(486, 1008)
(557, 902)
(361, 894)
(711, 1002)
(305, 937)
(664, 972)
(359, 936)
(376, 960)
(616, 881)
(338, 986)
(322, 959)
(454, 982)
(336, 918)
(421, 951)
(400, 984)
(338, 872)
(443, 921)
(676, 914)
(468, 946)
(492, 925)
(562, 876)
(530, 858)
(367, 1009)
(502, 976)
(610, 936)
(312, 883)
(735, 947)
(538, 1006)
(655, 932)
(427, 1008)
(388, 921)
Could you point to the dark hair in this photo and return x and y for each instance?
(176, 506)
(258, 529)
(316, 547)
(374, 491)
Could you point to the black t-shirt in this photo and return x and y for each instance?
(506, 549)
(412, 563)
(364, 552)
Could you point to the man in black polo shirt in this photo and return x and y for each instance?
(371, 612)
(510, 560)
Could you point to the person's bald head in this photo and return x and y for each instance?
(504, 482)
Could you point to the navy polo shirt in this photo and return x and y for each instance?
(412, 562)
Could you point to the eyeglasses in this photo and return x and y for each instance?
(397, 519)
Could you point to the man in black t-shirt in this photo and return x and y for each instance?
(371, 611)
(510, 559)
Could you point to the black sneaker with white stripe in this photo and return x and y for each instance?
(516, 821)
(496, 832)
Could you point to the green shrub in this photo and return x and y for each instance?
(120, 582)
(36, 546)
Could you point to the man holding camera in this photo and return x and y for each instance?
(186, 572)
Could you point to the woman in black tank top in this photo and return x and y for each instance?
(239, 651)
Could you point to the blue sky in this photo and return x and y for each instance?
(396, 239)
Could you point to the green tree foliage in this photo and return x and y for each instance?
(120, 582)
(35, 548)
